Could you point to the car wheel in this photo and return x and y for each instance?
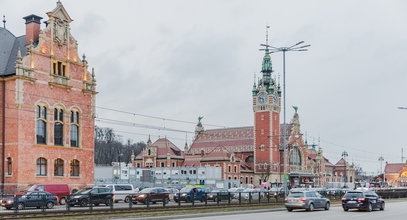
(96, 204)
(20, 206)
(84, 202)
(108, 202)
(382, 207)
(50, 205)
(327, 206)
(369, 207)
(289, 209)
(165, 200)
(62, 201)
(8, 208)
(310, 207)
(127, 199)
(345, 209)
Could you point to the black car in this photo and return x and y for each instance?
(218, 194)
(95, 196)
(30, 199)
(362, 200)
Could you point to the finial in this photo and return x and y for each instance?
(254, 80)
(295, 108)
(4, 21)
(267, 34)
(19, 53)
(84, 59)
(59, 2)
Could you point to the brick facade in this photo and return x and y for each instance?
(51, 86)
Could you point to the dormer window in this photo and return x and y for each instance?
(59, 68)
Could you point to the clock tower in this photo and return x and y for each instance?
(266, 106)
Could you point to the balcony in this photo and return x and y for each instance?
(60, 81)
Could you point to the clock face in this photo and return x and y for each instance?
(262, 99)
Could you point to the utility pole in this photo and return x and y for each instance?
(344, 155)
(381, 159)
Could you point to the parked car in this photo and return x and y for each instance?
(30, 199)
(188, 194)
(151, 195)
(121, 192)
(252, 194)
(172, 192)
(218, 194)
(235, 192)
(60, 190)
(276, 192)
(308, 200)
(95, 196)
(362, 200)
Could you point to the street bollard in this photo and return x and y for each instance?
(179, 199)
(68, 207)
(240, 198)
(164, 202)
(148, 200)
(229, 198)
(250, 197)
(206, 198)
(15, 204)
(217, 198)
(193, 199)
(268, 197)
(130, 201)
(111, 202)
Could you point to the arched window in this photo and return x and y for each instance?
(247, 180)
(41, 124)
(9, 166)
(295, 157)
(41, 166)
(58, 167)
(74, 129)
(59, 127)
(235, 169)
(75, 168)
(229, 169)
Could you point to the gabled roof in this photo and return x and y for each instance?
(394, 167)
(328, 163)
(164, 147)
(240, 139)
(9, 45)
(341, 162)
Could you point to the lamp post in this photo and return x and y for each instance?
(381, 159)
(296, 47)
(344, 155)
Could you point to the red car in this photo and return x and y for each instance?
(151, 195)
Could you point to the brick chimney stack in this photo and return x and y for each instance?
(32, 28)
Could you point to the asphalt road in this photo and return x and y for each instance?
(393, 210)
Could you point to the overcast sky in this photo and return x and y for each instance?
(184, 59)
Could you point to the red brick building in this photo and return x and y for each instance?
(46, 105)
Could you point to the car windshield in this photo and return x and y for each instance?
(353, 195)
(296, 195)
(83, 191)
(187, 189)
(146, 190)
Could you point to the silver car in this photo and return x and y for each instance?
(308, 200)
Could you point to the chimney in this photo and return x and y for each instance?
(32, 28)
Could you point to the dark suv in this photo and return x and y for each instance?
(362, 200)
(30, 199)
(153, 195)
(189, 194)
(96, 196)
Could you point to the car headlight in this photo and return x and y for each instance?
(77, 197)
(142, 196)
(183, 194)
(9, 201)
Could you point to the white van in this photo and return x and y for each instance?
(121, 192)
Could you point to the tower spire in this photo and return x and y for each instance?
(4, 21)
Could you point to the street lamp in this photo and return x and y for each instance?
(344, 155)
(296, 47)
(381, 159)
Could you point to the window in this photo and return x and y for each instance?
(247, 180)
(59, 127)
(74, 168)
(173, 164)
(251, 180)
(235, 169)
(58, 68)
(74, 129)
(58, 167)
(162, 164)
(262, 147)
(41, 128)
(41, 166)
(229, 169)
(9, 166)
(138, 164)
(295, 157)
